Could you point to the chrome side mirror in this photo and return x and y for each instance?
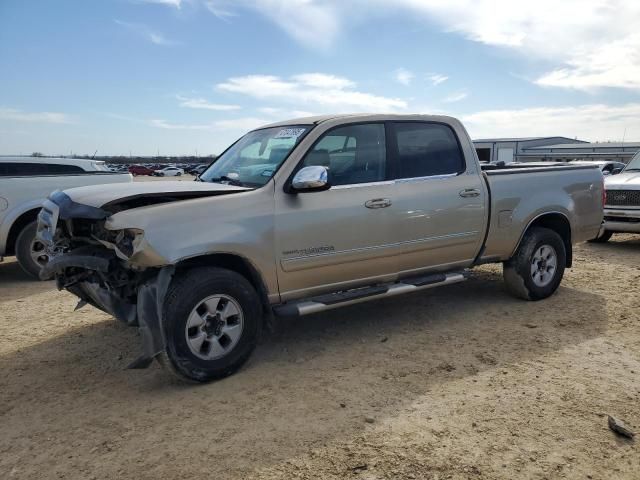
(311, 179)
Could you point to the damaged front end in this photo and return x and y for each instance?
(98, 266)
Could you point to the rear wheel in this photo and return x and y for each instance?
(603, 237)
(537, 268)
(30, 252)
(212, 319)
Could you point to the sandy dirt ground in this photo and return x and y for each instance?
(458, 382)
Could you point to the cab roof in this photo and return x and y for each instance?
(315, 120)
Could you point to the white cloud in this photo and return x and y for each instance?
(586, 122)
(159, 39)
(322, 80)
(16, 115)
(270, 110)
(145, 32)
(323, 92)
(202, 104)
(437, 79)
(403, 76)
(242, 124)
(455, 97)
(219, 10)
(613, 64)
(171, 3)
(282, 114)
(593, 43)
(314, 24)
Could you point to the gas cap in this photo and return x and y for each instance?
(3, 204)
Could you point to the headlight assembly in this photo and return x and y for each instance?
(128, 240)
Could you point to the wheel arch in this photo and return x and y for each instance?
(559, 223)
(235, 263)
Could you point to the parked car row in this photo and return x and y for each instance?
(151, 169)
(167, 170)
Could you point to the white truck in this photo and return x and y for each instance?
(25, 183)
(622, 207)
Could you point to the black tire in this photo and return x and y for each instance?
(517, 270)
(24, 244)
(185, 293)
(602, 237)
(178, 174)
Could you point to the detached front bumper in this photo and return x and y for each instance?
(621, 220)
(87, 274)
(97, 276)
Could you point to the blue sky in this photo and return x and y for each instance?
(181, 76)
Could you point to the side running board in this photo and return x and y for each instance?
(358, 295)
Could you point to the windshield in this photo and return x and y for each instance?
(634, 164)
(252, 160)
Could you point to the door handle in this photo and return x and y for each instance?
(469, 192)
(377, 203)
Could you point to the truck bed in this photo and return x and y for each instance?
(519, 194)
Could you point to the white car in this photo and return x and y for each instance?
(607, 167)
(25, 182)
(169, 172)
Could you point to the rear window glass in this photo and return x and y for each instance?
(427, 149)
(27, 168)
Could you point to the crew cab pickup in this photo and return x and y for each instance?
(25, 183)
(308, 215)
(622, 208)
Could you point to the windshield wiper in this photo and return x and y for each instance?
(231, 181)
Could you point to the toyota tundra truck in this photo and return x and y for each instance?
(622, 208)
(308, 215)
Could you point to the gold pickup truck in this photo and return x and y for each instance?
(308, 215)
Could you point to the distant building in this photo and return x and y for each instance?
(610, 151)
(534, 149)
(514, 149)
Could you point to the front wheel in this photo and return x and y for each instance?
(212, 319)
(31, 253)
(536, 269)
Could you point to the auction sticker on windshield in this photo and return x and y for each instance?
(290, 133)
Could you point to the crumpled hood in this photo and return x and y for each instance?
(104, 196)
(623, 181)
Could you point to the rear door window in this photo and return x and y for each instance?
(426, 149)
